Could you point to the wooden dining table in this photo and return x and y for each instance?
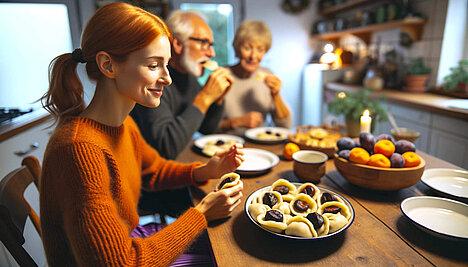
(380, 235)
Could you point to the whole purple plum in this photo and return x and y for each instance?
(344, 154)
(397, 161)
(402, 146)
(385, 137)
(367, 141)
(345, 143)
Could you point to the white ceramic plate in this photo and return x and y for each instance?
(449, 181)
(441, 217)
(322, 189)
(200, 142)
(257, 161)
(252, 134)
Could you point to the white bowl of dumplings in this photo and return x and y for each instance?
(299, 210)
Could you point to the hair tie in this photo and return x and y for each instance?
(77, 56)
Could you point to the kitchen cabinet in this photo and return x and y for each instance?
(412, 26)
(341, 7)
(12, 150)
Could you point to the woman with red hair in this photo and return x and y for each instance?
(96, 160)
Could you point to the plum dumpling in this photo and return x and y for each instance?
(270, 198)
(337, 221)
(309, 189)
(273, 220)
(302, 204)
(320, 223)
(228, 180)
(285, 188)
(301, 227)
(256, 209)
(335, 207)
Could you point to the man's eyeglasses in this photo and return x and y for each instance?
(205, 44)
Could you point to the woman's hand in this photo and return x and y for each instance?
(274, 83)
(220, 163)
(220, 204)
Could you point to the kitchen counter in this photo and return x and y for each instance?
(23, 123)
(424, 101)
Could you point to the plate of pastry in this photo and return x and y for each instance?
(299, 210)
(257, 161)
(210, 144)
(319, 138)
(268, 135)
(451, 182)
(441, 217)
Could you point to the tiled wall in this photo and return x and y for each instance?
(428, 48)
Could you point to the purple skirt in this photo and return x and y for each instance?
(198, 254)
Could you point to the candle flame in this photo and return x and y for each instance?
(366, 113)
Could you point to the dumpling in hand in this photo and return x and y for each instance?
(302, 204)
(337, 221)
(309, 189)
(270, 198)
(228, 180)
(273, 220)
(285, 188)
(320, 223)
(283, 207)
(301, 227)
(335, 208)
(257, 209)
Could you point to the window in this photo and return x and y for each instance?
(32, 35)
(223, 18)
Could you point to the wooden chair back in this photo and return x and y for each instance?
(14, 209)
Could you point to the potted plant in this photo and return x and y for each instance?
(457, 80)
(416, 76)
(353, 104)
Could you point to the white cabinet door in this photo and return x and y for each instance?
(449, 147)
(30, 142)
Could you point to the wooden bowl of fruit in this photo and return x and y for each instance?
(390, 165)
(319, 138)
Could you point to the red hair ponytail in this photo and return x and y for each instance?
(117, 29)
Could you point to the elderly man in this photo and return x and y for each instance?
(186, 107)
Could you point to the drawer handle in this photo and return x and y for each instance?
(32, 147)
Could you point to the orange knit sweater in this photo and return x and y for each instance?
(91, 180)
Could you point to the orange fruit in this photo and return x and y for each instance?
(411, 159)
(384, 147)
(379, 160)
(289, 150)
(359, 155)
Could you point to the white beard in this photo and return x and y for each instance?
(191, 65)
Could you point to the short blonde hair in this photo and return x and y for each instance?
(252, 30)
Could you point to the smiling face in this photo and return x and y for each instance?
(251, 54)
(142, 76)
(197, 49)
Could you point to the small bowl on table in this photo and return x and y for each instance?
(405, 134)
(309, 165)
(378, 178)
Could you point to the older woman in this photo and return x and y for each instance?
(255, 92)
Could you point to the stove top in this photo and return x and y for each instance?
(8, 114)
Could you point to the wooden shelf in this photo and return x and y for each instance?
(412, 26)
(345, 5)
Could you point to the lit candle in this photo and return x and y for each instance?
(365, 121)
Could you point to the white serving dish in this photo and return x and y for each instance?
(438, 216)
(448, 181)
